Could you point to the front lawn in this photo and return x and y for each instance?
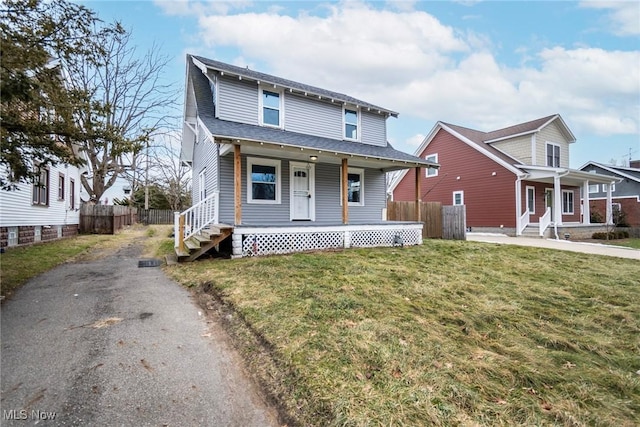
(448, 333)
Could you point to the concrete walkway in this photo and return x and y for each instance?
(104, 343)
(564, 245)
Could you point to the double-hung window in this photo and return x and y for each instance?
(271, 108)
(60, 187)
(431, 171)
(567, 202)
(351, 120)
(458, 198)
(72, 194)
(553, 155)
(263, 180)
(355, 186)
(41, 187)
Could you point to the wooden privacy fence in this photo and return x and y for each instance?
(105, 219)
(440, 222)
(155, 216)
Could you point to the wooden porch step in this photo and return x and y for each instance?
(200, 243)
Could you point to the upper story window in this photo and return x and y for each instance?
(351, 121)
(605, 188)
(271, 108)
(41, 187)
(432, 171)
(263, 181)
(553, 155)
(594, 188)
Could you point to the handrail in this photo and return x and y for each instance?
(545, 220)
(524, 222)
(195, 219)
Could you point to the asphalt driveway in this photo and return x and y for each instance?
(105, 343)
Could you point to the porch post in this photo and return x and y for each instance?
(345, 195)
(557, 200)
(609, 219)
(418, 192)
(237, 185)
(518, 205)
(586, 210)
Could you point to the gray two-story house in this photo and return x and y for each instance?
(285, 166)
(625, 194)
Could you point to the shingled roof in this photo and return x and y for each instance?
(246, 73)
(224, 129)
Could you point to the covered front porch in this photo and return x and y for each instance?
(280, 199)
(550, 198)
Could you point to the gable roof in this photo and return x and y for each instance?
(630, 173)
(227, 131)
(246, 73)
(528, 128)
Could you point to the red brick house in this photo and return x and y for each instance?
(514, 180)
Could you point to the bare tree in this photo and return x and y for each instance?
(129, 100)
(168, 172)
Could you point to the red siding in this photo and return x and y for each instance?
(540, 202)
(490, 200)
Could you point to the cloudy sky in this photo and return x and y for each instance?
(479, 64)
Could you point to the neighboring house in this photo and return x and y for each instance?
(514, 180)
(45, 210)
(625, 193)
(285, 165)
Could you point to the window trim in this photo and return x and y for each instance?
(530, 209)
(594, 186)
(358, 124)
(566, 212)
(261, 107)
(359, 171)
(604, 188)
(61, 186)
(546, 154)
(431, 172)
(38, 187)
(72, 195)
(202, 184)
(461, 193)
(264, 162)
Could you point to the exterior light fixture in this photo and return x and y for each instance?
(313, 158)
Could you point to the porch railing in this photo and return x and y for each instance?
(524, 222)
(545, 220)
(195, 219)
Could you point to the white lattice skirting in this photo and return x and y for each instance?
(256, 241)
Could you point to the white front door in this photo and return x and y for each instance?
(302, 179)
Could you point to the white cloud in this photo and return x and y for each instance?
(189, 7)
(624, 16)
(415, 140)
(412, 63)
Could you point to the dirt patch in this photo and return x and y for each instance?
(257, 353)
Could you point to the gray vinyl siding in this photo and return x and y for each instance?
(623, 189)
(237, 100)
(374, 129)
(327, 193)
(308, 116)
(205, 155)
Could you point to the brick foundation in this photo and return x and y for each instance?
(26, 234)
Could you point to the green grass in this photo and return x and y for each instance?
(630, 243)
(448, 333)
